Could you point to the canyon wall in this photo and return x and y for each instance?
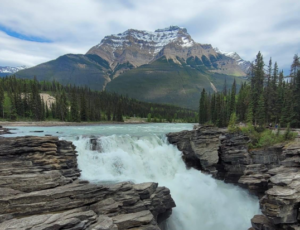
(273, 174)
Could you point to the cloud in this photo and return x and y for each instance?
(74, 26)
(15, 52)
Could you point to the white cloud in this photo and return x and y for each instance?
(74, 26)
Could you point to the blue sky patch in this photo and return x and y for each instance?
(22, 36)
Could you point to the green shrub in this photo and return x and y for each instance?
(288, 135)
(232, 126)
(262, 138)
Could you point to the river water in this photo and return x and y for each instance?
(141, 153)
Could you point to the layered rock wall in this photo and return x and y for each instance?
(273, 173)
(40, 189)
(199, 147)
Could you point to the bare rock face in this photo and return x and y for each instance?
(272, 173)
(39, 189)
(134, 48)
(199, 147)
(281, 202)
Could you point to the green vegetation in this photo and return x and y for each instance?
(165, 81)
(176, 82)
(266, 101)
(20, 99)
(261, 138)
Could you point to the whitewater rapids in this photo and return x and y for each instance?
(203, 203)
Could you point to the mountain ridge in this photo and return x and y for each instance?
(8, 70)
(139, 47)
(130, 61)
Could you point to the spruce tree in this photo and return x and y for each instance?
(203, 107)
(261, 111)
(296, 99)
(257, 82)
(75, 116)
(83, 108)
(295, 66)
(232, 98)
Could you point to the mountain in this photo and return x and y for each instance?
(244, 65)
(142, 47)
(77, 69)
(8, 70)
(165, 66)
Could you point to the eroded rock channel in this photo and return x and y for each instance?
(40, 189)
(273, 174)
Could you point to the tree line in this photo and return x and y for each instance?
(268, 97)
(21, 99)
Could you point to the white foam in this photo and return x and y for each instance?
(203, 203)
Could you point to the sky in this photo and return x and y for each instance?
(37, 31)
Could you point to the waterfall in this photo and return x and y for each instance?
(203, 203)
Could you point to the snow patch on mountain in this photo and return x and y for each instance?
(244, 64)
(154, 40)
(11, 70)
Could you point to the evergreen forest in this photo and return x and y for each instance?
(268, 98)
(20, 99)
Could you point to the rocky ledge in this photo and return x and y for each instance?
(40, 189)
(273, 174)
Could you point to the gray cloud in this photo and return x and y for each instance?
(73, 26)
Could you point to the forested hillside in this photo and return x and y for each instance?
(21, 99)
(268, 97)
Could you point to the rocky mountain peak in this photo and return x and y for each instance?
(157, 39)
(244, 65)
(134, 48)
(139, 46)
(10, 69)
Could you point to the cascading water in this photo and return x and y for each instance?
(203, 203)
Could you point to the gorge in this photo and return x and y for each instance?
(119, 155)
(271, 173)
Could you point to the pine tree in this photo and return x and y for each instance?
(75, 116)
(83, 108)
(232, 98)
(63, 106)
(203, 108)
(295, 66)
(249, 114)
(257, 82)
(296, 99)
(119, 113)
(261, 111)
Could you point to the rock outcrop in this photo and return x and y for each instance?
(273, 174)
(40, 189)
(199, 147)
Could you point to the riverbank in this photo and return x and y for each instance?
(61, 123)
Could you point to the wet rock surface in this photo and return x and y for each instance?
(40, 189)
(273, 174)
(3, 131)
(199, 147)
